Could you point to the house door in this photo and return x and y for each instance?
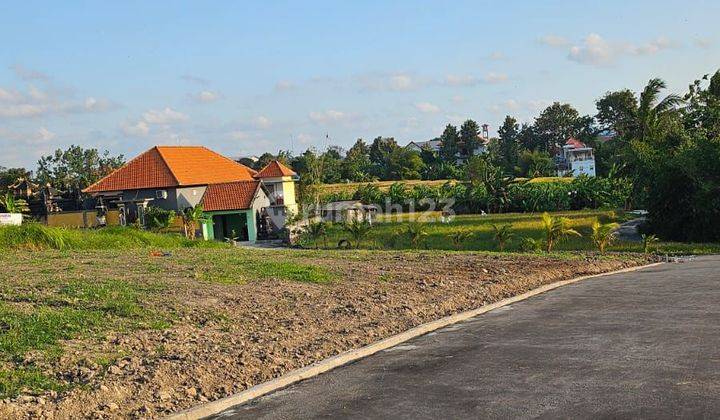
(230, 226)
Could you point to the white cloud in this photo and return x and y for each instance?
(427, 107)
(44, 134)
(328, 116)
(495, 78)
(497, 56)
(392, 82)
(458, 99)
(27, 74)
(595, 50)
(139, 129)
(36, 102)
(554, 41)
(262, 122)
(284, 85)
(460, 80)
(163, 116)
(239, 135)
(205, 96)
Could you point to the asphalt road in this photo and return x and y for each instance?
(638, 345)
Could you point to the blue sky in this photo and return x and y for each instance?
(248, 77)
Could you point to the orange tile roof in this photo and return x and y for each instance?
(173, 166)
(230, 196)
(275, 169)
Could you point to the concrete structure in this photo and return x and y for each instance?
(347, 211)
(575, 159)
(239, 201)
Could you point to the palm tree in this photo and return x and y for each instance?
(555, 229)
(191, 217)
(652, 110)
(502, 235)
(647, 240)
(460, 236)
(358, 229)
(14, 205)
(315, 231)
(603, 234)
(416, 231)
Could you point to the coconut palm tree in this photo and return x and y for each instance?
(556, 229)
(652, 110)
(502, 235)
(358, 230)
(603, 234)
(416, 231)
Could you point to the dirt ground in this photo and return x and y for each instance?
(225, 338)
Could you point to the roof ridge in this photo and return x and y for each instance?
(164, 161)
(250, 170)
(128, 164)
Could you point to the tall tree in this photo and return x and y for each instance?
(8, 176)
(380, 151)
(555, 125)
(469, 137)
(76, 168)
(449, 146)
(357, 166)
(508, 144)
(617, 112)
(332, 165)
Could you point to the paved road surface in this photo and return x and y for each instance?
(637, 345)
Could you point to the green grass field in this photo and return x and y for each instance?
(387, 233)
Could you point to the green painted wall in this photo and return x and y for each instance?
(208, 230)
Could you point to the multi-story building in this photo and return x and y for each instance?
(575, 159)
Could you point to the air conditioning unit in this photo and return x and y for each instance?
(161, 194)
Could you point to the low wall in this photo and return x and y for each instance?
(81, 219)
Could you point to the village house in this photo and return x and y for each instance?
(575, 159)
(239, 202)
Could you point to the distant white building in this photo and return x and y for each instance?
(575, 159)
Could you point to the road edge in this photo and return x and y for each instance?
(217, 406)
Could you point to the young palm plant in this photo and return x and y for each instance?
(315, 231)
(603, 234)
(358, 230)
(555, 230)
(191, 217)
(459, 237)
(502, 235)
(14, 205)
(416, 231)
(648, 240)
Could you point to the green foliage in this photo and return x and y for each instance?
(502, 235)
(533, 164)
(76, 168)
(13, 205)
(157, 218)
(555, 229)
(603, 234)
(528, 244)
(13, 382)
(191, 218)
(458, 237)
(315, 231)
(36, 236)
(415, 232)
(648, 240)
(358, 230)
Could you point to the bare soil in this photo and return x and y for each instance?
(228, 337)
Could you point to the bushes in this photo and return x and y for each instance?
(580, 193)
(35, 236)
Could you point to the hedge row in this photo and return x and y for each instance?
(582, 193)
